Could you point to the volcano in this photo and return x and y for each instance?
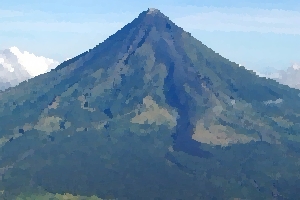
(150, 113)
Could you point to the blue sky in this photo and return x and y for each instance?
(254, 34)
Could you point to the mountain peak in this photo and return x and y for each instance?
(153, 11)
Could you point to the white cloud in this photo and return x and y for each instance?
(289, 76)
(34, 65)
(10, 70)
(17, 66)
(296, 66)
(6, 65)
(241, 19)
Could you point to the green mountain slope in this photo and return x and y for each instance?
(151, 113)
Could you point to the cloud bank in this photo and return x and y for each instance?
(290, 76)
(34, 65)
(17, 66)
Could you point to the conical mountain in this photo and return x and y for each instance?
(150, 113)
